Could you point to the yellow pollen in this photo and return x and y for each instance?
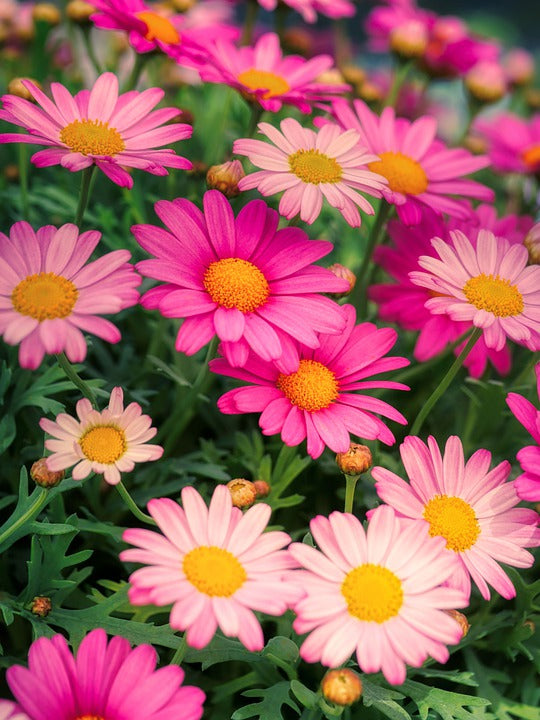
(158, 27)
(314, 167)
(454, 519)
(92, 137)
(531, 157)
(44, 296)
(236, 283)
(312, 387)
(104, 444)
(372, 593)
(263, 80)
(214, 571)
(404, 174)
(492, 293)
(89, 717)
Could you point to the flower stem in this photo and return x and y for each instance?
(350, 486)
(140, 61)
(39, 503)
(179, 652)
(252, 10)
(400, 75)
(90, 50)
(445, 382)
(84, 194)
(72, 375)
(23, 180)
(132, 505)
(256, 114)
(362, 276)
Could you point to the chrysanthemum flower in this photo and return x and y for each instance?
(318, 401)
(107, 442)
(215, 564)
(421, 171)
(98, 127)
(103, 681)
(470, 506)
(489, 285)
(377, 593)
(238, 278)
(48, 294)
(513, 142)
(311, 166)
(308, 9)
(528, 483)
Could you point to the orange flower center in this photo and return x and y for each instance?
(264, 80)
(314, 167)
(404, 174)
(236, 283)
(454, 519)
(312, 387)
(45, 296)
(372, 593)
(104, 444)
(92, 137)
(531, 157)
(214, 571)
(158, 27)
(492, 293)
(89, 717)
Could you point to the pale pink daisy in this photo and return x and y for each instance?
(472, 507)
(104, 680)
(318, 401)
(242, 279)
(513, 142)
(48, 295)
(377, 593)
(107, 442)
(308, 9)
(10, 711)
(98, 127)
(528, 483)
(489, 285)
(311, 166)
(215, 564)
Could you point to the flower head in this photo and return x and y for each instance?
(513, 142)
(308, 9)
(107, 442)
(10, 711)
(528, 483)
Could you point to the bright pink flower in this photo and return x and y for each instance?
(103, 680)
(215, 564)
(48, 295)
(242, 279)
(98, 127)
(387, 17)
(528, 483)
(377, 593)
(311, 166)
(452, 49)
(470, 506)
(318, 400)
(10, 711)
(513, 142)
(309, 8)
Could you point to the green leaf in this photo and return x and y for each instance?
(448, 705)
(270, 707)
(7, 432)
(303, 694)
(384, 699)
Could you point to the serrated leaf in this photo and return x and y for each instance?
(384, 699)
(303, 694)
(449, 705)
(270, 707)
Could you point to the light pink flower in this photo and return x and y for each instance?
(513, 142)
(377, 593)
(308, 9)
(103, 680)
(470, 506)
(107, 442)
(98, 127)
(48, 295)
(10, 711)
(215, 564)
(528, 483)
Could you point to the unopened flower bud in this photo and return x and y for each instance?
(41, 606)
(331, 77)
(183, 5)
(262, 488)
(355, 461)
(11, 172)
(243, 492)
(409, 39)
(370, 92)
(42, 476)
(475, 144)
(461, 620)
(225, 177)
(532, 96)
(532, 243)
(16, 87)
(47, 13)
(353, 74)
(486, 81)
(529, 624)
(519, 66)
(79, 11)
(344, 273)
(342, 687)
(297, 40)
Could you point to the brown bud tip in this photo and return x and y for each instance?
(199, 168)
(353, 74)
(243, 492)
(356, 460)
(11, 172)
(42, 476)
(16, 87)
(370, 92)
(183, 5)
(532, 243)
(409, 39)
(298, 40)
(225, 178)
(342, 687)
(344, 273)
(46, 12)
(41, 606)
(529, 624)
(486, 81)
(475, 144)
(461, 620)
(262, 488)
(79, 11)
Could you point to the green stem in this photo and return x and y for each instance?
(23, 180)
(32, 512)
(140, 61)
(421, 367)
(72, 375)
(445, 382)
(350, 486)
(90, 50)
(179, 652)
(256, 114)
(132, 505)
(84, 194)
(400, 75)
(252, 10)
(360, 291)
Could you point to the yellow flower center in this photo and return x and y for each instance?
(89, 717)
(104, 444)
(492, 293)
(454, 519)
(214, 571)
(404, 174)
(158, 27)
(236, 283)
(531, 157)
(263, 79)
(92, 137)
(312, 387)
(314, 167)
(45, 296)
(372, 593)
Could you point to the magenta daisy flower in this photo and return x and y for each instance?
(107, 442)
(513, 142)
(308, 9)
(421, 171)
(377, 593)
(215, 564)
(98, 127)
(318, 401)
(528, 483)
(242, 279)
(104, 680)
(489, 285)
(48, 295)
(470, 506)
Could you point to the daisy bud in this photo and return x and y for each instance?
(42, 476)
(331, 77)
(529, 624)
(262, 488)
(47, 13)
(486, 81)
(243, 492)
(355, 461)
(16, 87)
(519, 66)
(353, 74)
(225, 178)
(41, 606)
(370, 92)
(475, 144)
(183, 5)
(79, 11)
(344, 273)
(532, 243)
(342, 687)
(298, 40)
(11, 172)
(461, 620)
(409, 40)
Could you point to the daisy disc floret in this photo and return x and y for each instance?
(472, 507)
(528, 483)
(215, 564)
(98, 127)
(107, 442)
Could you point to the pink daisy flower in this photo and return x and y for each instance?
(98, 127)
(421, 171)
(242, 279)
(11, 711)
(103, 680)
(391, 15)
(489, 285)
(528, 483)
(48, 295)
(513, 142)
(318, 401)
(215, 564)
(107, 442)
(377, 593)
(308, 9)
(311, 166)
(470, 506)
